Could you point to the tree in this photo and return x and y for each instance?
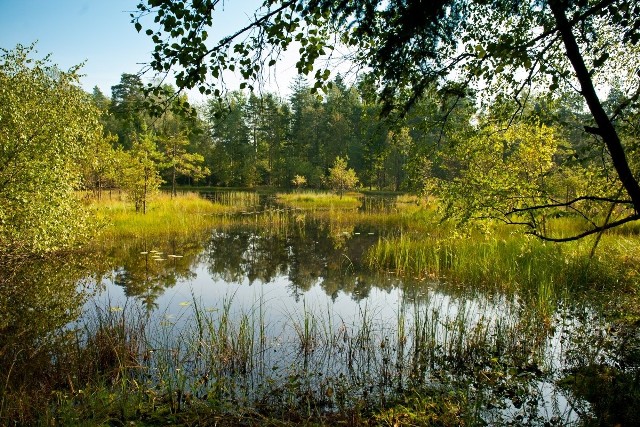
(497, 172)
(230, 138)
(99, 165)
(340, 178)
(399, 144)
(181, 162)
(299, 181)
(46, 125)
(412, 45)
(128, 109)
(140, 176)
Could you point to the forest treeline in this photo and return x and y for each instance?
(249, 139)
(480, 155)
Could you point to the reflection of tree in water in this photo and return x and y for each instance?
(39, 297)
(306, 263)
(224, 255)
(146, 273)
(267, 257)
(308, 253)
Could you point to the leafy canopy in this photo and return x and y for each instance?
(46, 124)
(507, 48)
(340, 178)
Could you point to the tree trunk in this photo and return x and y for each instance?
(173, 171)
(605, 128)
(173, 181)
(144, 196)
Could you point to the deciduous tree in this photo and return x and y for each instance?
(340, 178)
(46, 125)
(503, 47)
(140, 170)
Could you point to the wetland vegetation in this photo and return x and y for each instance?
(442, 243)
(272, 313)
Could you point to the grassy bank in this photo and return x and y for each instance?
(319, 200)
(186, 213)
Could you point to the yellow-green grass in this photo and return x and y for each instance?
(506, 259)
(183, 214)
(319, 200)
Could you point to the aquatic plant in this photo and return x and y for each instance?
(166, 216)
(319, 200)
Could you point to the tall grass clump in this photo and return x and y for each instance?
(183, 214)
(505, 261)
(319, 200)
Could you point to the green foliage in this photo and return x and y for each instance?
(340, 178)
(451, 47)
(126, 108)
(139, 171)
(496, 171)
(40, 298)
(100, 166)
(181, 162)
(47, 126)
(299, 181)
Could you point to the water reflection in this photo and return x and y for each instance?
(309, 253)
(312, 271)
(39, 298)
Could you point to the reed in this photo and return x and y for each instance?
(184, 214)
(503, 261)
(319, 200)
(242, 200)
(440, 360)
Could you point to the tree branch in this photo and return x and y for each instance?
(590, 232)
(569, 203)
(625, 104)
(607, 130)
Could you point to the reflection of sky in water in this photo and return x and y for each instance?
(281, 307)
(321, 274)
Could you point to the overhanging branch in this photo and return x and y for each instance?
(570, 203)
(590, 232)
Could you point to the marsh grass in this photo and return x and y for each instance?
(242, 200)
(319, 200)
(231, 363)
(184, 214)
(472, 355)
(506, 261)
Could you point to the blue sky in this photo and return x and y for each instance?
(99, 33)
(96, 31)
(73, 31)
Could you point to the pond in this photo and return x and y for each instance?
(292, 317)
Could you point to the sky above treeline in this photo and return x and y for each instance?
(100, 34)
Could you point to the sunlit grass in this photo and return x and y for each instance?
(183, 214)
(319, 200)
(504, 259)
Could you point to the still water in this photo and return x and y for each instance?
(309, 281)
(274, 310)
